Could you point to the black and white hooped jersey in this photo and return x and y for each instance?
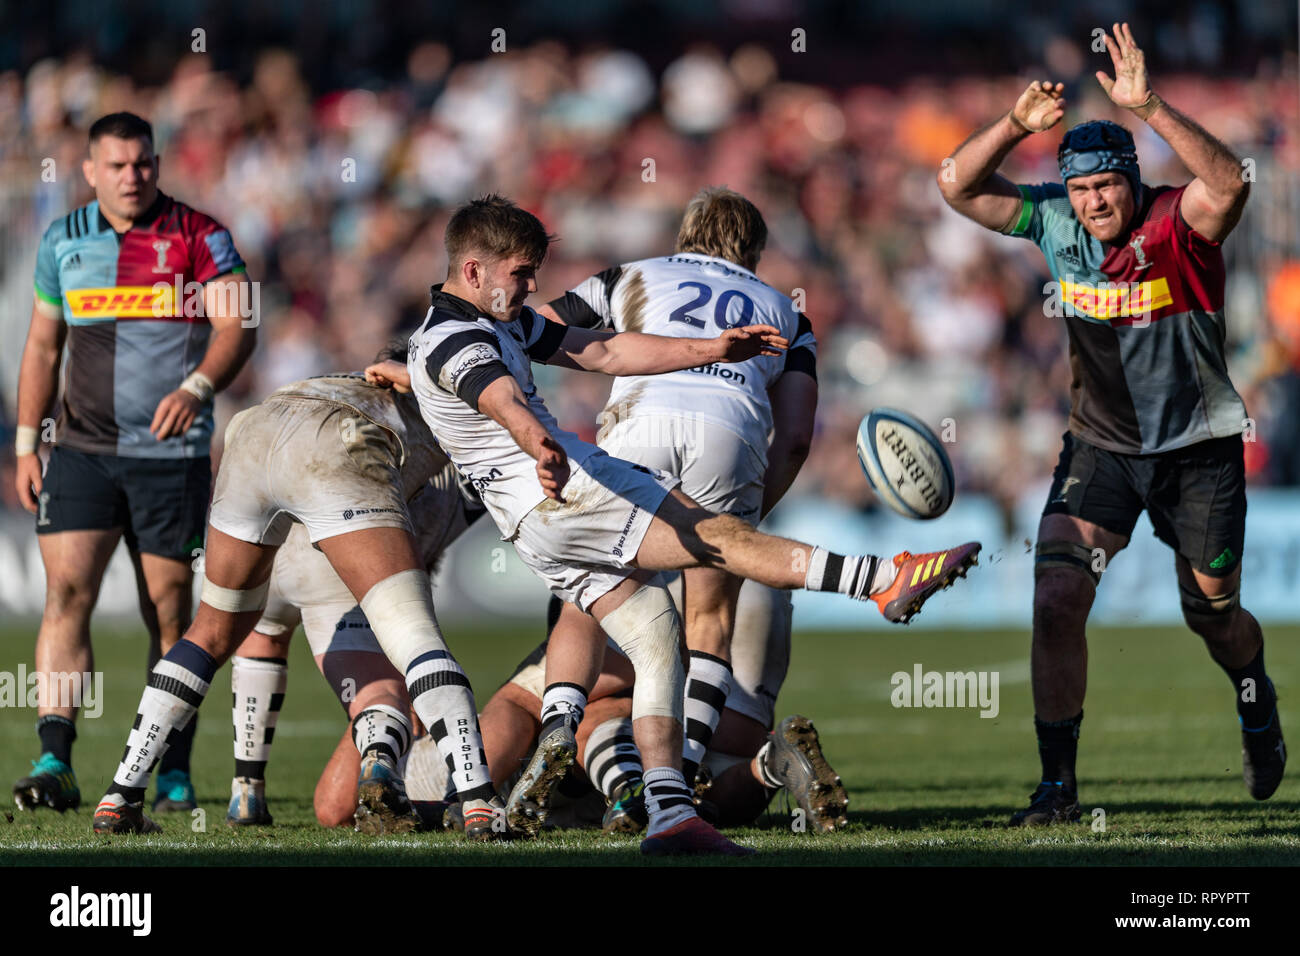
(454, 356)
(694, 296)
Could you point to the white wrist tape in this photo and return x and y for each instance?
(646, 628)
(26, 440)
(200, 386)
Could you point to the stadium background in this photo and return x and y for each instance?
(832, 117)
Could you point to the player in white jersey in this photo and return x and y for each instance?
(305, 590)
(593, 527)
(709, 426)
(340, 457)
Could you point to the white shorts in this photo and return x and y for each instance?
(718, 469)
(298, 459)
(583, 549)
(305, 588)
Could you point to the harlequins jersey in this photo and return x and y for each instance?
(1146, 324)
(130, 342)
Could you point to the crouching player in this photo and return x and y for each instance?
(305, 590)
(327, 453)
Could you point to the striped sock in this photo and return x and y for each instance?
(441, 696)
(384, 730)
(562, 704)
(177, 685)
(858, 576)
(257, 686)
(611, 758)
(667, 799)
(708, 681)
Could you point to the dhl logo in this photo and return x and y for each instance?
(127, 301)
(1111, 300)
(925, 572)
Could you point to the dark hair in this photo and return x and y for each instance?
(396, 350)
(121, 125)
(495, 227)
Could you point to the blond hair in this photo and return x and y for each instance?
(721, 222)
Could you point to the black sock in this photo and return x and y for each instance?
(129, 794)
(1058, 746)
(1257, 712)
(56, 735)
(177, 756)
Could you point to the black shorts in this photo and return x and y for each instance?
(161, 504)
(1194, 496)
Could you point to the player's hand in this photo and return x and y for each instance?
(1040, 106)
(175, 414)
(27, 480)
(552, 468)
(746, 342)
(1129, 88)
(389, 374)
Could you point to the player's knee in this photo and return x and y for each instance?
(646, 629)
(334, 808)
(68, 596)
(1213, 617)
(1063, 595)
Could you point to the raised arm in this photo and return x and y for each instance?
(969, 180)
(1213, 201)
(636, 353)
(38, 384)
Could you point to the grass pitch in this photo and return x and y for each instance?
(1160, 757)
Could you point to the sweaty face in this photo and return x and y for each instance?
(124, 174)
(1103, 202)
(508, 283)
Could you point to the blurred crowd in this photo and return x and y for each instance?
(337, 200)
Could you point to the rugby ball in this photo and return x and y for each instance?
(905, 464)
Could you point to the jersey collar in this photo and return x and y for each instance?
(453, 303)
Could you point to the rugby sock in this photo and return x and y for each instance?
(667, 799)
(177, 685)
(611, 758)
(257, 686)
(384, 730)
(708, 681)
(56, 735)
(858, 576)
(1256, 701)
(1058, 746)
(562, 703)
(441, 696)
(177, 756)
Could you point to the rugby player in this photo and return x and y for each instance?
(130, 448)
(340, 457)
(1155, 423)
(593, 527)
(305, 590)
(707, 426)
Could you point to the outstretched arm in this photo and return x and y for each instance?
(635, 353)
(1213, 201)
(970, 183)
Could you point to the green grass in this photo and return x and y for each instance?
(1160, 754)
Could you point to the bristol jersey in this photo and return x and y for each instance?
(695, 296)
(1146, 324)
(419, 456)
(456, 354)
(130, 342)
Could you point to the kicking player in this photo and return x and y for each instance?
(1155, 422)
(306, 590)
(336, 455)
(593, 527)
(129, 457)
(708, 426)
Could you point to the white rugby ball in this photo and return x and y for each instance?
(905, 463)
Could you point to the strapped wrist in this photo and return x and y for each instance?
(1011, 115)
(200, 386)
(1147, 107)
(26, 438)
